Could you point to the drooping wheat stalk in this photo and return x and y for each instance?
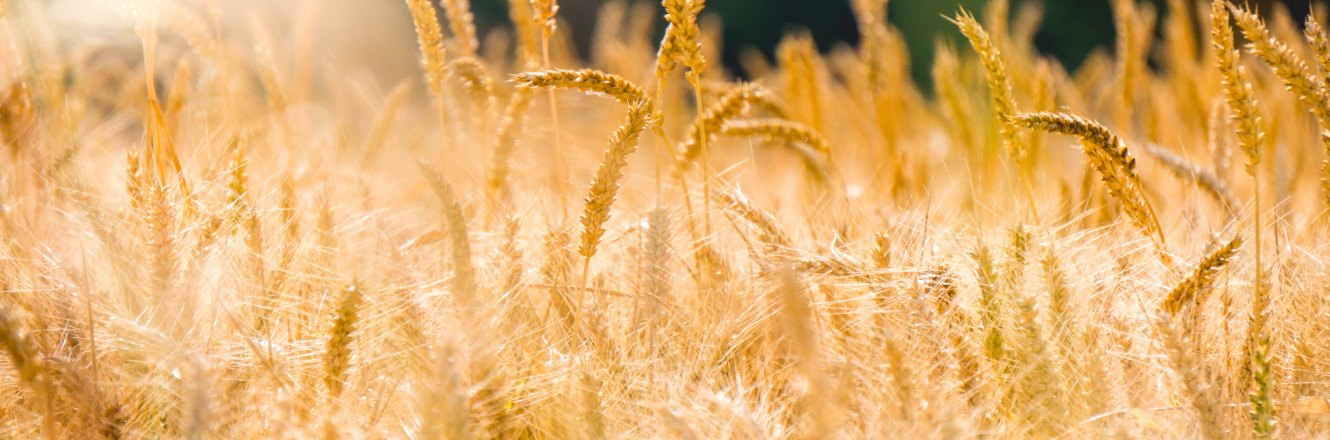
(587, 80)
(600, 197)
(730, 105)
(1108, 154)
(1204, 178)
(817, 164)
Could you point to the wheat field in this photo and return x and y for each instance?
(209, 231)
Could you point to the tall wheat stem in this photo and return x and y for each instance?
(695, 79)
(554, 121)
(1029, 191)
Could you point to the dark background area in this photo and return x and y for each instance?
(1070, 29)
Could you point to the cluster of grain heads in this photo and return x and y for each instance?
(891, 302)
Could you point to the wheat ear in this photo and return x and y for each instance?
(1320, 45)
(657, 286)
(462, 25)
(1109, 155)
(430, 36)
(1004, 101)
(770, 231)
(780, 129)
(606, 183)
(1263, 408)
(505, 139)
(21, 353)
(383, 124)
(464, 287)
(338, 357)
(1238, 91)
(733, 103)
(1189, 291)
(586, 80)
(1193, 379)
(681, 43)
(476, 80)
(1286, 64)
(1204, 178)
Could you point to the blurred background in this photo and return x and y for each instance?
(1070, 29)
(377, 35)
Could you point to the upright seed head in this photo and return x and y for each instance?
(1004, 102)
(338, 357)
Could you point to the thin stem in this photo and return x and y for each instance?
(586, 270)
(554, 121)
(1256, 181)
(1160, 245)
(660, 106)
(706, 164)
(1029, 192)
